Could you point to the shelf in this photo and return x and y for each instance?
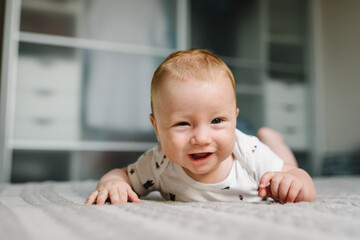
(81, 146)
(286, 67)
(83, 43)
(285, 39)
(53, 7)
(242, 62)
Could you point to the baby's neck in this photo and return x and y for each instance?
(217, 174)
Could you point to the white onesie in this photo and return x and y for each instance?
(153, 171)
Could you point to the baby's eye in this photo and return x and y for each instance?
(182, 124)
(216, 121)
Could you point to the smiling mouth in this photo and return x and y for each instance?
(199, 156)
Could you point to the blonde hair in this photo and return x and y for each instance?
(196, 64)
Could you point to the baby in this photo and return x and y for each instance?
(202, 156)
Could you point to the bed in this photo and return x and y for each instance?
(56, 210)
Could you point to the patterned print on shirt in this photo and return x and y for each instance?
(172, 196)
(148, 184)
(162, 161)
(253, 150)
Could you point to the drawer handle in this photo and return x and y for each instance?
(43, 121)
(44, 92)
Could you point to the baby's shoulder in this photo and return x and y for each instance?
(156, 157)
(250, 151)
(245, 144)
(255, 156)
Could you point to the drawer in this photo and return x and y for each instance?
(286, 107)
(295, 136)
(285, 111)
(47, 103)
(279, 116)
(277, 92)
(46, 128)
(54, 74)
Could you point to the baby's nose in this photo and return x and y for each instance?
(201, 137)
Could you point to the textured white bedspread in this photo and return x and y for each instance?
(56, 211)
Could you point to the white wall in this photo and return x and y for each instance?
(341, 74)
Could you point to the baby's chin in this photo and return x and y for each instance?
(209, 173)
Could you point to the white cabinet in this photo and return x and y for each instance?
(286, 86)
(47, 103)
(286, 112)
(76, 79)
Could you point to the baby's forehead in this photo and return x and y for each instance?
(174, 85)
(194, 78)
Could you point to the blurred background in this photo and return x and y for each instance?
(76, 74)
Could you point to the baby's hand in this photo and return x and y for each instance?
(281, 186)
(117, 191)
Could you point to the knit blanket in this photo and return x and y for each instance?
(56, 210)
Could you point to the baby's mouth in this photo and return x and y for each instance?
(200, 156)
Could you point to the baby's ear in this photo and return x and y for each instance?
(153, 122)
(237, 112)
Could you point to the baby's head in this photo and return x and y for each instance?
(194, 113)
(193, 64)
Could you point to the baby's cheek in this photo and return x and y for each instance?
(171, 150)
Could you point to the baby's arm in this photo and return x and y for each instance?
(114, 185)
(275, 141)
(292, 184)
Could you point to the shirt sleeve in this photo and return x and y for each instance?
(258, 158)
(144, 173)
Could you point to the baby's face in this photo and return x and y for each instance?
(195, 123)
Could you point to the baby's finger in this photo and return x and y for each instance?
(123, 196)
(133, 197)
(300, 196)
(103, 195)
(114, 196)
(264, 192)
(293, 192)
(284, 187)
(268, 191)
(92, 197)
(265, 179)
(274, 185)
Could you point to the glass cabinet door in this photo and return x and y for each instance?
(99, 91)
(83, 75)
(139, 22)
